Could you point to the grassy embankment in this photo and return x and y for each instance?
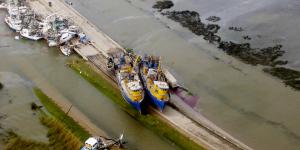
(63, 132)
(152, 122)
(57, 113)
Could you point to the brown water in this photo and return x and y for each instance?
(252, 106)
(17, 55)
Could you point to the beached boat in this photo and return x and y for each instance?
(30, 34)
(154, 81)
(13, 23)
(67, 34)
(65, 37)
(65, 50)
(130, 84)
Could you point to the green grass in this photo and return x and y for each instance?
(152, 122)
(60, 138)
(57, 113)
(15, 142)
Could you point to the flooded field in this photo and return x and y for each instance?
(249, 104)
(18, 56)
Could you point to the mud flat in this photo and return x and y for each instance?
(267, 56)
(95, 53)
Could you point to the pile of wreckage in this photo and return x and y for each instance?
(57, 30)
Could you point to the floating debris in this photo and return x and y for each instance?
(161, 5)
(213, 18)
(247, 37)
(238, 29)
(17, 37)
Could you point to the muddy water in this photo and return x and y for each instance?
(18, 55)
(252, 106)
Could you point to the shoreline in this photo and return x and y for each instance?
(270, 58)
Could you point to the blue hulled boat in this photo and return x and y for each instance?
(154, 81)
(130, 84)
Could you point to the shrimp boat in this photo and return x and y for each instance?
(154, 81)
(130, 84)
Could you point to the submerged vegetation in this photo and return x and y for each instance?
(150, 121)
(290, 77)
(192, 21)
(268, 56)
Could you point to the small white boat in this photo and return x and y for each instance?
(65, 50)
(31, 35)
(14, 24)
(102, 143)
(65, 37)
(3, 6)
(52, 43)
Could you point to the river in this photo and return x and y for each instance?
(18, 55)
(249, 104)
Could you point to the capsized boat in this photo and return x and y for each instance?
(67, 34)
(13, 23)
(154, 81)
(30, 34)
(130, 83)
(65, 49)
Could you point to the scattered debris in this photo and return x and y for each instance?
(34, 106)
(17, 37)
(247, 37)
(3, 116)
(238, 29)
(213, 18)
(161, 5)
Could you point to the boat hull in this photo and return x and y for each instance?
(137, 105)
(35, 38)
(15, 28)
(160, 104)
